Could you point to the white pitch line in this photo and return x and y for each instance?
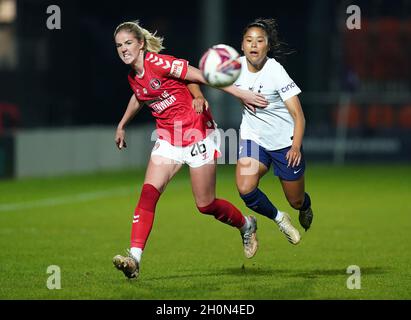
(81, 197)
(76, 198)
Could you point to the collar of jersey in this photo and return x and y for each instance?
(142, 74)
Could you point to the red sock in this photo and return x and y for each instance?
(225, 212)
(144, 216)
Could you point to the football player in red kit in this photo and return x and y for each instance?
(186, 134)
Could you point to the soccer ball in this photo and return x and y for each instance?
(220, 65)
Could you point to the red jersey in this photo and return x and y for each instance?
(163, 89)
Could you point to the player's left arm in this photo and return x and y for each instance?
(294, 107)
(199, 102)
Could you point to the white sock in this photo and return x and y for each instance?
(136, 253)
(246, 225)
(279, 216)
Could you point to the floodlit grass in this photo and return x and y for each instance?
(362, 217)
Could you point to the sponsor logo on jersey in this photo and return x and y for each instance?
(160, 106)
(177, 68)
(155, 84)
(289, 87)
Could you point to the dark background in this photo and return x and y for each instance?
(73, 76)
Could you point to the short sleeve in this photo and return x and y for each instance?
(285, 86)
(168, 66)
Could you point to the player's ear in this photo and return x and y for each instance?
(141, 44)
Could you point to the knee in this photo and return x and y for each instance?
(245, 187)
(296, 203)
(204, 201)
(208, 209)
(148, 198)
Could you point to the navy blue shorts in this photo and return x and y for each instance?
(250, 149)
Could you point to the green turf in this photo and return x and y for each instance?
(362, 217)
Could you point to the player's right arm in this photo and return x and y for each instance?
(248, 98)
(177, 68)
(133, 108)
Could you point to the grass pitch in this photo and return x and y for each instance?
(362, 218)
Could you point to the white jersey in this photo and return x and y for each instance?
(271, 127)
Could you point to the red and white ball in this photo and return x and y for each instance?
(221, 65)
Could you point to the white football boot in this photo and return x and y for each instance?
(291, 233)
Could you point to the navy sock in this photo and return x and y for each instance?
(258, 202)
(306, 203)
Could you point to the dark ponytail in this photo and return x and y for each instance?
(279, 50)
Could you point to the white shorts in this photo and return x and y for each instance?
(195, 155)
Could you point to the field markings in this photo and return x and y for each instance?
(81, 197)
(75, 198)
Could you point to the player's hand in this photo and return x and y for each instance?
(199, 104)
(120, 139)
(252, 100)
(293, 157)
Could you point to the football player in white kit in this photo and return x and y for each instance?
(271, 135)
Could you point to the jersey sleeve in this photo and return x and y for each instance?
(168, 66)
(285, 86)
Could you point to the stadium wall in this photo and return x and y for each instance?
(51, 152)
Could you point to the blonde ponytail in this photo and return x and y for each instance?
(152, 43)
